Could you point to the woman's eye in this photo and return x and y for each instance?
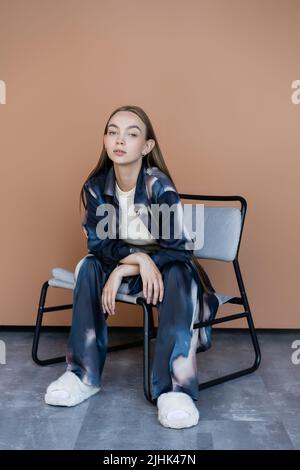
(114, 132)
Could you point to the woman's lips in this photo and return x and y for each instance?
(119, 152)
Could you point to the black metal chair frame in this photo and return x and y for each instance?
(149, 331)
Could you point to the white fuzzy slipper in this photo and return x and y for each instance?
(68, 390)
(177, 410)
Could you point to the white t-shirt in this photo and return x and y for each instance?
(132, 230)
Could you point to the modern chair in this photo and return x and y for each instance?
(223, 228)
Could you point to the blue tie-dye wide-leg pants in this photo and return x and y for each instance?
(174, 365)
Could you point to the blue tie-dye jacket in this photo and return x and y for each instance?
(152, 187)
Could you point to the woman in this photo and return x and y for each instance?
(130, 176)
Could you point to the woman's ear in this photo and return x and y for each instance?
(150, 145)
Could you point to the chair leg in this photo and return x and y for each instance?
(37, 332)
(252, 332)
(249, 316)
(241, 372)
(148, 334)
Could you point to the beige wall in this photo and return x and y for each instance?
(215, 78)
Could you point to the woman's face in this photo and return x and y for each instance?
(126, 131)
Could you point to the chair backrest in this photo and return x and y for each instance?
(222, 229)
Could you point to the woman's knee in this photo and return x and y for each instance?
(87, 263)
(178, 268)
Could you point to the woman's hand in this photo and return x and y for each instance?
(152, 279)
(113, 283)
(110, 290)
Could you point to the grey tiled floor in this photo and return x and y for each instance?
(258, 411)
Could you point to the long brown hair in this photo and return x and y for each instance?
(153, 158)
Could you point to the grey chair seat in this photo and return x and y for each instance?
(62, 278)
(121, 294)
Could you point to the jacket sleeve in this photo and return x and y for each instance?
(110, 251)
(171, 248)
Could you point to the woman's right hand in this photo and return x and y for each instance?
(152, 279)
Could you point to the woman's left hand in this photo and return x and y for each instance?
(110, 290)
